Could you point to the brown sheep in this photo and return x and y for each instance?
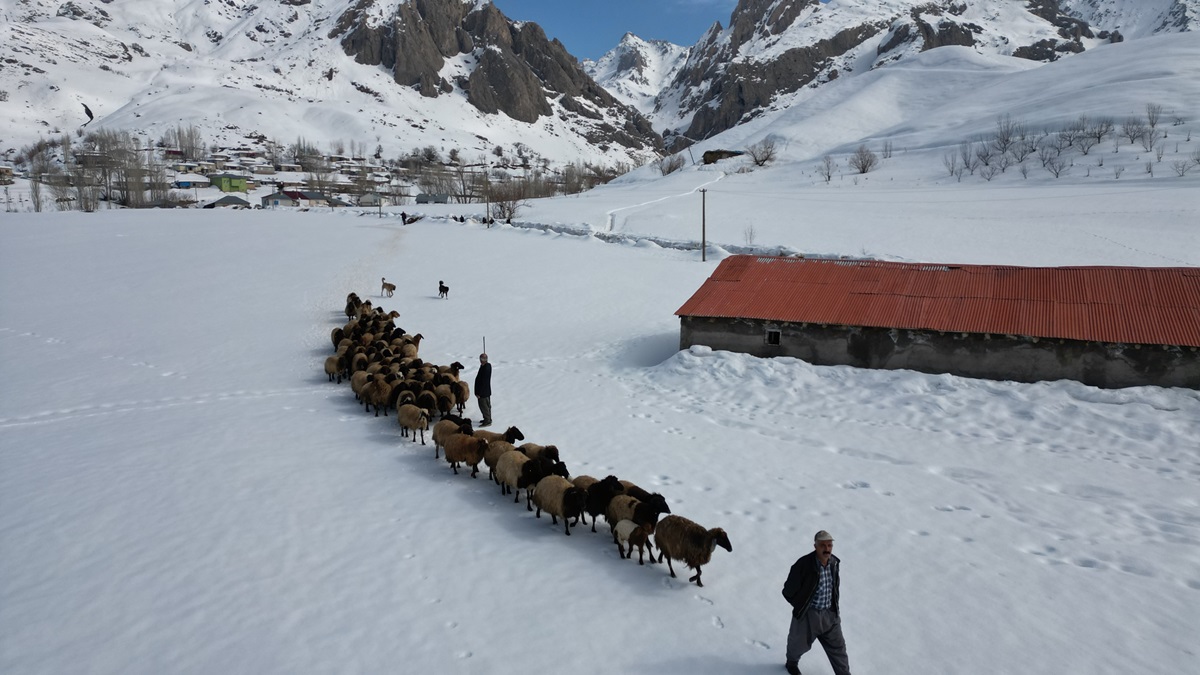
(510, 434)
(465, 449)
(445, 429)
(533, 450)
(681, 539)
(334, 365)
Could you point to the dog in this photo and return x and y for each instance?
(387, 288)
(443, 290)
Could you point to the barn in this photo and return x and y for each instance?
(1103, 326)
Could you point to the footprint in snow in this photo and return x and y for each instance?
(716, 620)
(758, 643)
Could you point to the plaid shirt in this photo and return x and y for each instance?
(823, 598)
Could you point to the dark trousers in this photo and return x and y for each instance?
(823, 625)
(485, 407)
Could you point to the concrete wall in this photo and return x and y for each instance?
(994, 357)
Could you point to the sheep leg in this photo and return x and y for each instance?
(474, 470)
(697, 578)
(566, 527)
(669, 566)
(620, 549)
(640, 550)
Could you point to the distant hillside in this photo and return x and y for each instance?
(388, 74)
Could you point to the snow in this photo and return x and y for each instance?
(183, 491)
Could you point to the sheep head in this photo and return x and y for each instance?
(513, 434)
(719, 538)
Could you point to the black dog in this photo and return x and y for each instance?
(443, 290)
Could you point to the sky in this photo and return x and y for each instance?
(589, 28)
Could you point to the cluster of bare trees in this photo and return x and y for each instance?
(1012, 143)
(103, 167)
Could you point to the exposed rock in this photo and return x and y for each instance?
(517, 70)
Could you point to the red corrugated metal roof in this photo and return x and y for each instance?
(1136, 305)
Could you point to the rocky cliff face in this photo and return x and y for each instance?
(440, 46)
(773, 48)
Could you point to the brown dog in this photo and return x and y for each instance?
(387, 288)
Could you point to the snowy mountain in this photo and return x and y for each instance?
(386, 74)
(1137, 19)
(636, 71)
(773, 48)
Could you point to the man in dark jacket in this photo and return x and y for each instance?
(812, 589)
(483, 390)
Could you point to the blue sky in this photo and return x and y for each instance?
(589, 28)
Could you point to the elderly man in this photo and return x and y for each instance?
(812, 589)
(483, 390)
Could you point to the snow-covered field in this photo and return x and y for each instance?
(182, 491)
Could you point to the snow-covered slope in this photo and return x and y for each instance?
(282, 70)
(1139, 18)
(774, 48)
(636, 71)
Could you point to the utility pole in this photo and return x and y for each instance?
(703, 225)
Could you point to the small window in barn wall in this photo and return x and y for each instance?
(772, 337)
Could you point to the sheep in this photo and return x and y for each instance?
(599, 494)
(641, 495)
(533, 450)
(510, 434)
(334, 365)
(411, 346)
(624, 507)
(509, 469)
(376, 394)
(446, 428)
(495, 451)
(465, 449)
(412, 418)
(681, 539)
(636, 535)
(558, 497)
(462, 394)
(536, 469)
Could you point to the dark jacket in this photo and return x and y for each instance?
(483, 381)
(801, 584)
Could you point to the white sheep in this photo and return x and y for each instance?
(627, 531)
(412, 418)
(558, 497)
(495, 451)
(509, 473)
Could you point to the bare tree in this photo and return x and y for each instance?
(1133, 128)
(984, 152)
(863, 160)
(1100, 128)
(970, 161)
(828, 167)
(1007, 133)
(1057, 166)
(1181, 167)
(1149, 140)
(762, 152)
(1153, 114)
(1085, 143)
(670, 164)
(887, 150)
(508, 199)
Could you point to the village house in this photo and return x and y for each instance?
(229, 201)
(1103, 326)
(229, 182)
(189, 181)
(279, 199)
(6, 175)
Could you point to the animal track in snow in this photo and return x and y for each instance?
(758, 643)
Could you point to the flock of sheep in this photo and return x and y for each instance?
(385, 372)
